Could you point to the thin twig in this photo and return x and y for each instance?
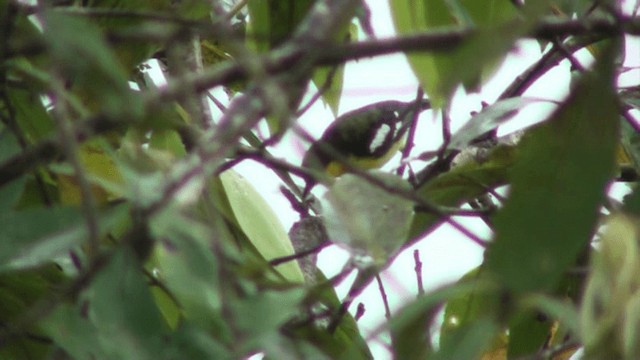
(568, 55)
(406, 151)
(284, 259)
(418, 270)
(72, 150)
(446, 129)
(360, 310)
(237, 7)
(383, 295)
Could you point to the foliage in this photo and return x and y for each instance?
(125, 232)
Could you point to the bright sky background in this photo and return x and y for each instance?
(446, 254)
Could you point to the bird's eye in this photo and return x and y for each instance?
(396, 114)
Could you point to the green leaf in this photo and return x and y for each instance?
(191, 9)
(563, 310)
(490, 118)
(368, 219)
(259, 317)
(116, 317)
(466, 311)
(410, 326)
(30, 114)
(558, 186)
(121, 307)
(19, 291)
(574, 7)
(82, 54)
(167, 306)
(630, 142)
(471, 341)
(528, 332)
(9, 145)
(184, 262)
(274, 21)
(36, 236)
(334, 75)
(73, 332)
(609, 309)
(632, 202)
(259, 222)
(271, 22)
(22, 229)
(10, 193)
(168, 140)
(132, 52)
(415, 16)
(192, 342)
(345, 343)
(440, 73)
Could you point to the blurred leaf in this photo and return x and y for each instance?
(334, 75)
(414, 16)
(563, 310)
(102, 172)
(261, 225)
(10, 193)
(440, 73)
(410, 326)
(35, 236)
(271, 22)
(368, 219)
(528, 332)
(274, 21)
(20, 229)
(132, 52)
(260, 315)
(184, 262)
(192, 342)
(632, 202)
(632, 97)
(345, 343)
(489, 118)
(630, 142)
(609, 321)
(462, 184)
(463, 312)
(120, 305)
(213, 52)
(73, 332)
(568, 8)
(19, 290)
(78, 48)
(9, 145)
(557, 187)
(470, 341)
(168, 140)
(169, 309)
(120, 320)
(191, 9)
(30, 114)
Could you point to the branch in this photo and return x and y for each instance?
(296, 52)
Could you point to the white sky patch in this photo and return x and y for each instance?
(381, 135)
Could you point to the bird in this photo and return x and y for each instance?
(365, 138)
